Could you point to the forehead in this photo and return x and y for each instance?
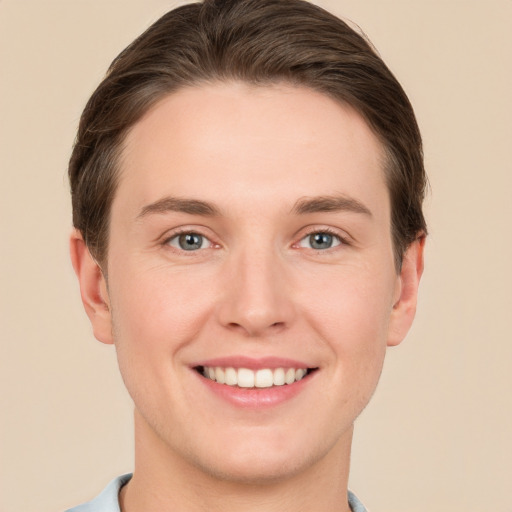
(237, 141)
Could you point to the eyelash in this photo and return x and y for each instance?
(180, 232)
(328, 231)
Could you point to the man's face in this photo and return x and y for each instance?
(250, 238)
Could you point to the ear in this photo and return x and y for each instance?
(406, 296)
(93, 288)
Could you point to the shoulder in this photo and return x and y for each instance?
(107, 501)
(355, 504)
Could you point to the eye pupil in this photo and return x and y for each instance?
(320, 240)
(190, 241)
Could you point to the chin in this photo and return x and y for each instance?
(255, 470)
(262, 459)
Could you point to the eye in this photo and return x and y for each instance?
(189, 241)
(320, 240)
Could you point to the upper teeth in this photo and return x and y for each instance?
(246, 378)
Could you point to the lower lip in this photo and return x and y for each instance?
(256, 398)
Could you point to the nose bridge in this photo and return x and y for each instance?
(256, 297)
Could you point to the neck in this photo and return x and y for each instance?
(165, 481)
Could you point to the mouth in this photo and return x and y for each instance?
(253, 379)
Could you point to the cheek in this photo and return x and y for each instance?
(355, 302)
(350, 310)
(154, 314)
(160, 307)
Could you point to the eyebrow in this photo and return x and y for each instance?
(302, 207)
(329, 204)
(176, 204)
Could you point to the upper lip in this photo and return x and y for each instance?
(251, 363)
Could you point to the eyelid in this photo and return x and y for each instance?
(183, 230)
(342, 236)
(175, 240)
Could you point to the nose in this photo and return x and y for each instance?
(257, 298)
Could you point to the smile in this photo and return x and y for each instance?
(247, 378)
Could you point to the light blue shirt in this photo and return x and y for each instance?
(108, 500)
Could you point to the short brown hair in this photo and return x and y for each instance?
(259, 42)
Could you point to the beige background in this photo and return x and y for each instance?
(438, 433)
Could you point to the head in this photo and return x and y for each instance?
(247, 185)
(260, 43)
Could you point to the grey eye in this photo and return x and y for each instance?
(189, 241)
(320, 241)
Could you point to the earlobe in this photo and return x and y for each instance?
(404, 308)
(93, 288)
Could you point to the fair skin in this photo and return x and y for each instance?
(250, 229)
